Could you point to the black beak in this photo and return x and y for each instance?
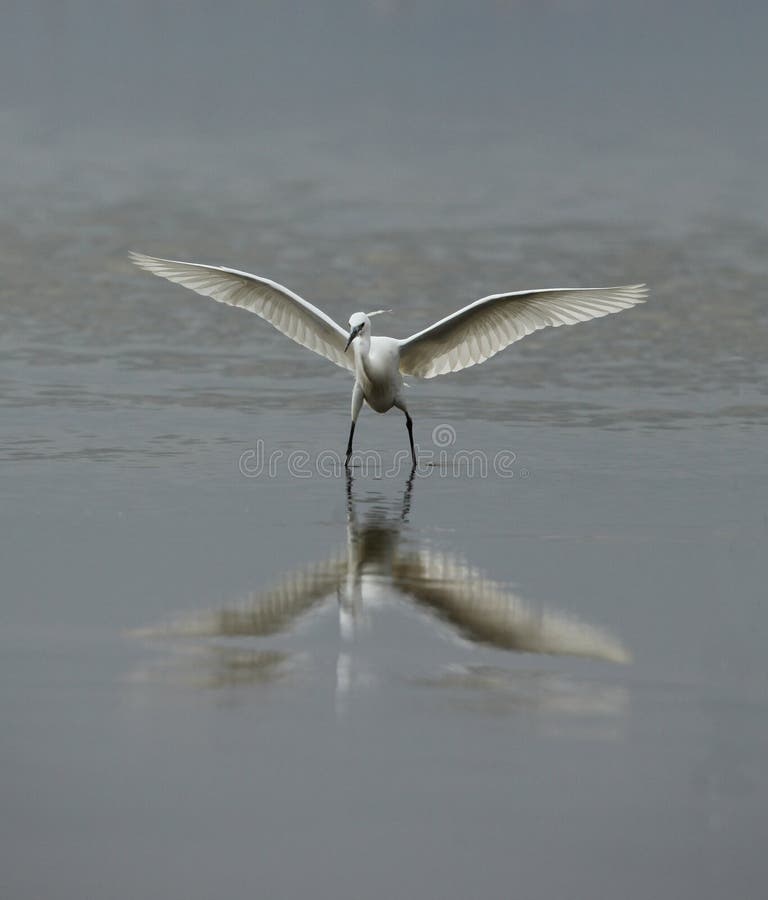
(352, 335)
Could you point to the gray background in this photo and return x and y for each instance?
(415, 156)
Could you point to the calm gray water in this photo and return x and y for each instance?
(216, 682)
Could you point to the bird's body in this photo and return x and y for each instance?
(465, 338)
(377, 372)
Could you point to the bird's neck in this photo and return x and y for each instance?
(363, 345)
(362, 350)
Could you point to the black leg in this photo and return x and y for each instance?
(409, 426)
(349, 444)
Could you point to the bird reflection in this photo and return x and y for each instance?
(215, 667)
(381, 563)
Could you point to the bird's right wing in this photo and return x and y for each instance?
(487, 326)
(289, 313)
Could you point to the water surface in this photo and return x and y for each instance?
(552, 683)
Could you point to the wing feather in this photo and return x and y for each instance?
(487, 326)
(289, 313)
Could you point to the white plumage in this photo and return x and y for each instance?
(289, 313)
(484, 328)
(465, 338)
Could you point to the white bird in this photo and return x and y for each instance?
(465, 338)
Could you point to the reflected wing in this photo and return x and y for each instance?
(485, 612)
(264, 612)
(214, 667)
(487, 326)
(289, 313)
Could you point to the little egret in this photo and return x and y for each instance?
(465, 338)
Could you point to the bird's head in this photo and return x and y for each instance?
(359, 324)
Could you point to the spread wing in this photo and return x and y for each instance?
(487, 326)
(289, 313)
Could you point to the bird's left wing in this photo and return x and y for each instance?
(289, 313)
(487, 326)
